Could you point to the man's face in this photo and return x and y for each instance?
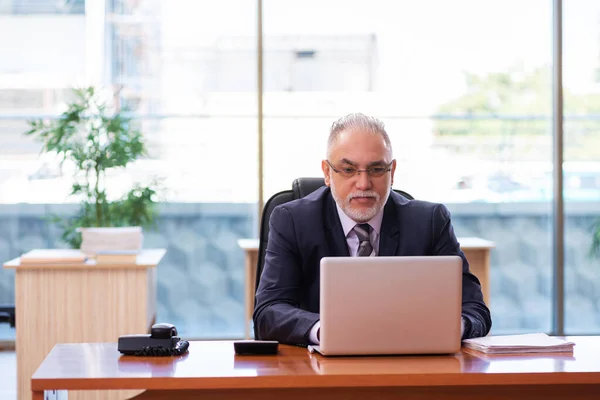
(360, 195)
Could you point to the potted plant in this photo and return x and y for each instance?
(595, 250)
(96, 140)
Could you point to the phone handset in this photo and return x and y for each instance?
(162, 341)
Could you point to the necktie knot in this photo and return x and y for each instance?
(363, 232)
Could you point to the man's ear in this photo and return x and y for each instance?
(325, 167)
(393, 171)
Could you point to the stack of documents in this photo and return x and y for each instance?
(116, 257)
(516, 344)
(120, 241)
(52, 256)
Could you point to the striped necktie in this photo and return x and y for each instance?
(364, 244)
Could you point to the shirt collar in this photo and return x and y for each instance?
(348, 223)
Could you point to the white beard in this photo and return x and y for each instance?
(359, 216)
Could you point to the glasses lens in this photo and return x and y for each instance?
(348, 172)
(377, 171)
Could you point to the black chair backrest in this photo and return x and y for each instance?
(7, 314)
(300, 188)
(305, 186)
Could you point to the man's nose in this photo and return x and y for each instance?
(363, 181)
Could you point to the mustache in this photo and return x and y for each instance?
(364, 193)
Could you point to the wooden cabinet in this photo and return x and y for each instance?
(75, 303)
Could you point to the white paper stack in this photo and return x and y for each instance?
(106, 240)
(516, 344)
(52, 256)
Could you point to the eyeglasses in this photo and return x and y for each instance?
(374, 171)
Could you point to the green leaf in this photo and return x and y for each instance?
(96, 141)
(595, 249)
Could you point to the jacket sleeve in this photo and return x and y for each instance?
(277, 315)
(474, 310)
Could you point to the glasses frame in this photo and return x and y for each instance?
(358, 171)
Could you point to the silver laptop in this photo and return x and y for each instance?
(390, 305)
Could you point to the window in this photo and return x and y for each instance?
(29, 7)
(466, 102)
(581, 168)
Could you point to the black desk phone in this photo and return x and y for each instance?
(162, 341)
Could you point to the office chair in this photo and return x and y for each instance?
(7, 314)
(300, 187)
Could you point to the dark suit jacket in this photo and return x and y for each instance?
(305, 230)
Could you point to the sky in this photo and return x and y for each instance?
(423, 46)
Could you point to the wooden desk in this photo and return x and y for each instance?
(68, 303)
(476, 250)
(211, 370)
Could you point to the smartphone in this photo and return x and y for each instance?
(256, 346)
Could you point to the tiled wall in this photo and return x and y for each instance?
(201, 279)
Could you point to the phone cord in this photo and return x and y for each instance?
(180, 348)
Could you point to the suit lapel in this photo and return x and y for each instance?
(389, 236)
(336, 241)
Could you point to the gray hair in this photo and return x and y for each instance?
(357, 121)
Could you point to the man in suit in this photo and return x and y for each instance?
(355, 214)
